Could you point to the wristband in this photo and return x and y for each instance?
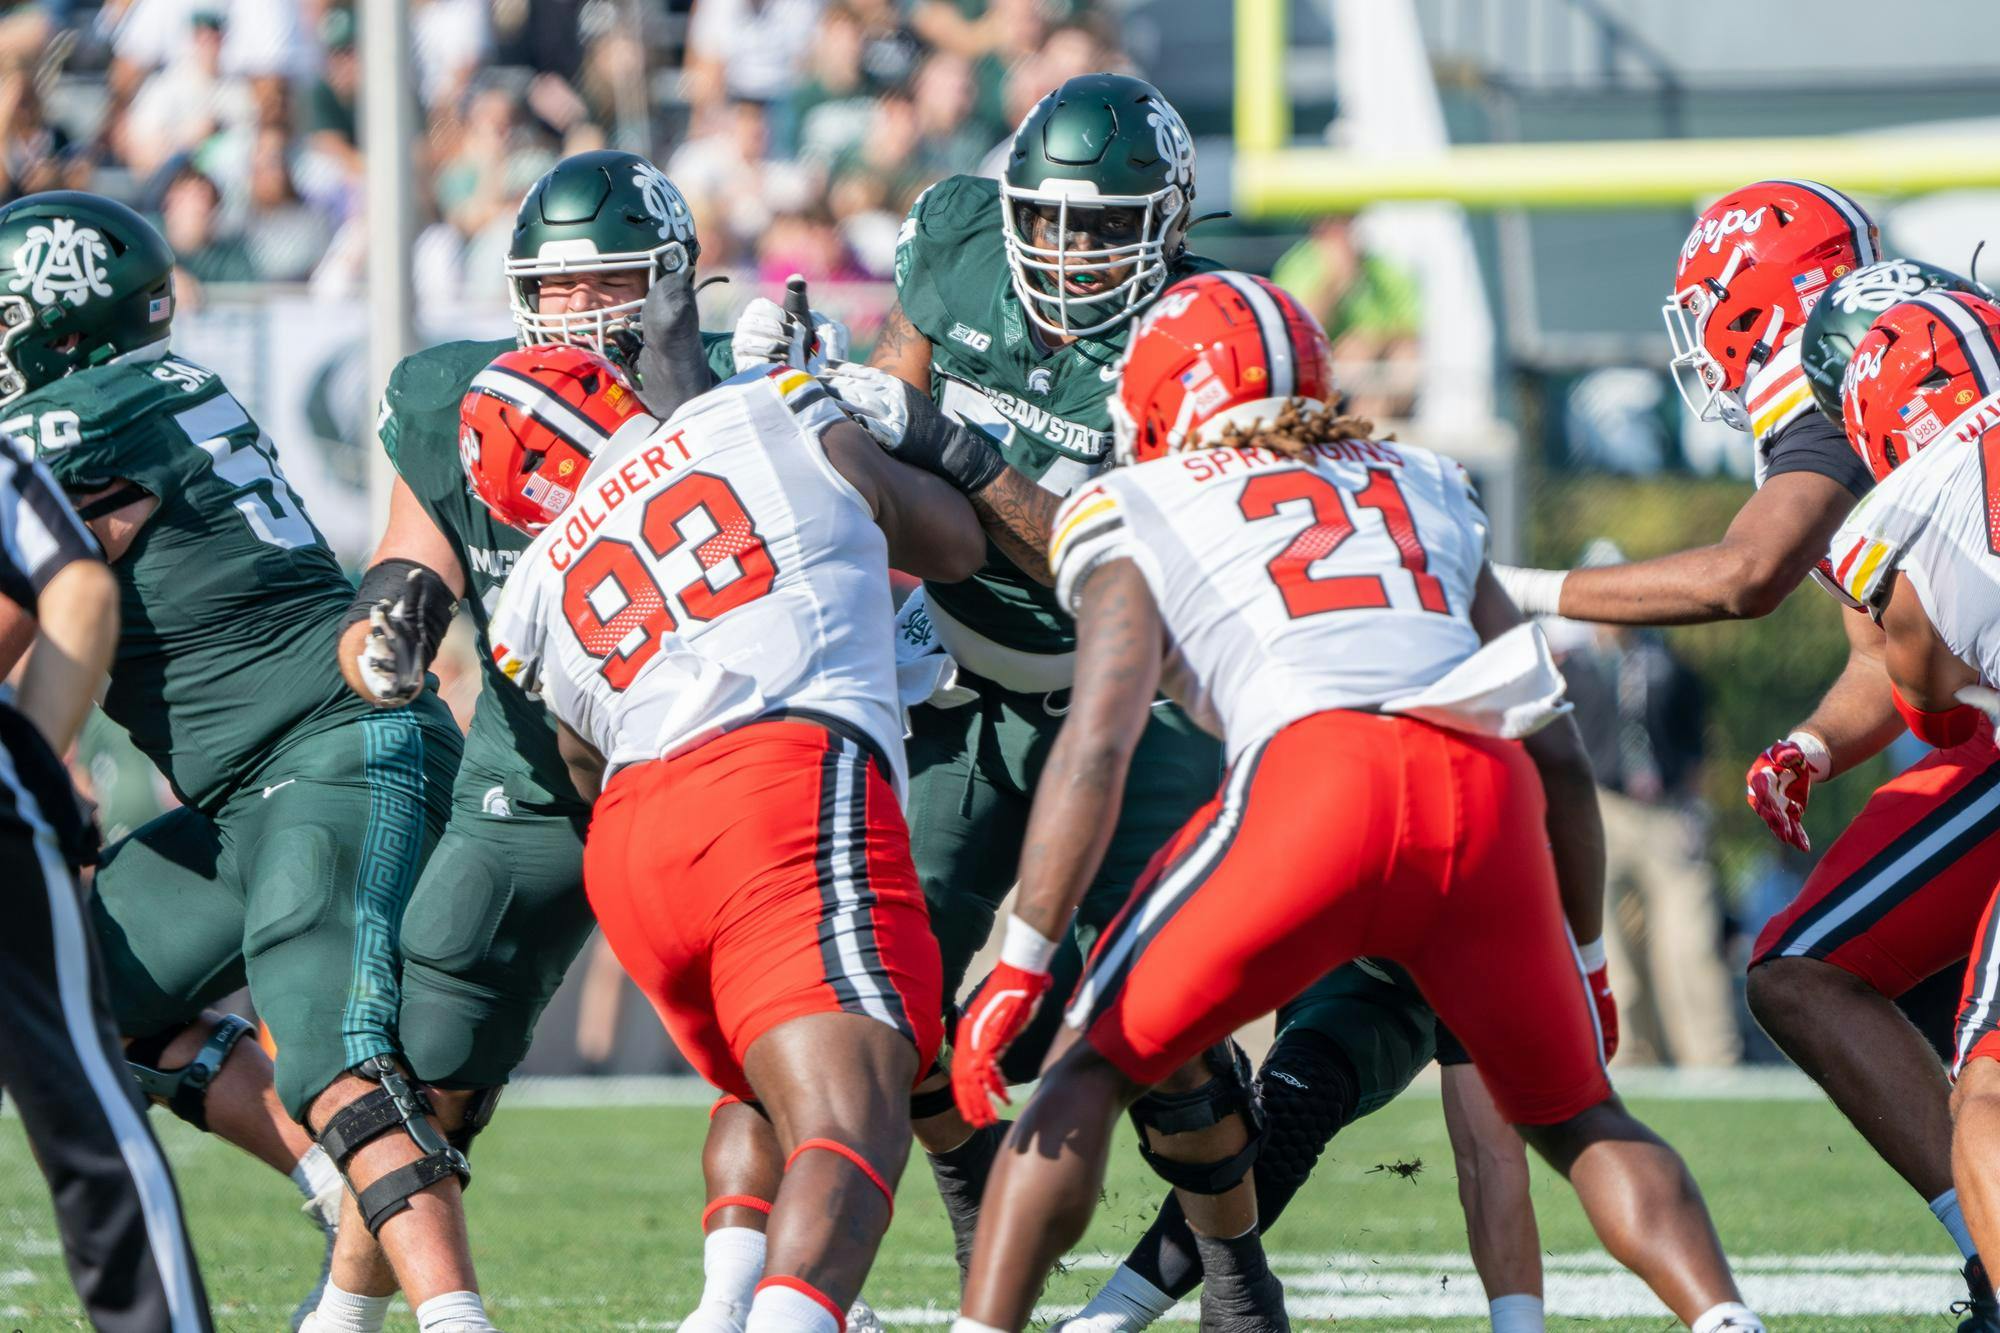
(1537, 592)
(1819, 759)
(1025, 947)
(969, 459)
(1592, 955)
(429, 604)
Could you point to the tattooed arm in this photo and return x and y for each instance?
(1017, 514)
(1120, 642)
(902, 351)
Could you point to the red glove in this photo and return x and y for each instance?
(1779, 781)
(998, 1014)
(1607, 1008)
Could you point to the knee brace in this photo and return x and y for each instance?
(184, 1089)
(1307, 1092)
(479, 1109)
(1225, 1094)
(394, 1103)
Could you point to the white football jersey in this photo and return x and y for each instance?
(713, 572)
(1936, 521)
(1289, 587)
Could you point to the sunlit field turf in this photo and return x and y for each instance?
(584, 1217)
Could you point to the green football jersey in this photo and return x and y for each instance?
(512, 743)
(230, 599)
(1049, 409)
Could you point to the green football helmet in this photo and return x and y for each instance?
(83, 279)
(597, 212)
(1845, 311)
(1095, 202)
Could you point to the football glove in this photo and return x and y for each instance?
(392, 659)
(765, 334)
(1779, 782)
(911, 429)
(998, 1014)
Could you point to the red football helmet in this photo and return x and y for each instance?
(1925, 367)
(530, 424)
(1750, 272)
(1215, 349)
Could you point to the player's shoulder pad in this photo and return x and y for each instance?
(114, 420)
(1779, 395)
(435, 379)
(720, 350)
(946, 217)
(1880, 530)
(1090, 529)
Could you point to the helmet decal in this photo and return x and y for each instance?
(1878, 286)
(1710, 233)
(664, 202)
(62, 261)
(1176, 144)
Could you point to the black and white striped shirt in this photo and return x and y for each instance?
(39, 532)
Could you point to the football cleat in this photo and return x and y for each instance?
(1928, 369)
(861, 1318)
(1749, 273)
(1981, 1310)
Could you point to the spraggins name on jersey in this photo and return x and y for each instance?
(1214, 464)
(632, 476)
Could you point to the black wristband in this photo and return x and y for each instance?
(428, 602)
(970, 460)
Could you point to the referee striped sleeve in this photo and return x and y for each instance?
(39, 532)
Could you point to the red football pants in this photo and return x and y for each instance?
(760, 878)
(1348, 834)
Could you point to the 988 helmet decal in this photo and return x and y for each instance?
(1927, 366)
(1749, 273)
(1217, 349)
(532, 421)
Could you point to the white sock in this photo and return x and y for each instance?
(732, 1264)
(1731, 1315)
(315, 1173)
(1125, 1304)
(1519, 1313)
(1945, 1208)
(345, 1312)
(454, 1312)
(778, 1309)
(964, 1325)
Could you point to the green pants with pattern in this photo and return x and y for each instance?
(294, 886)
(493, 925)
(973, 772)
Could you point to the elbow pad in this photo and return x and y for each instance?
(1954, 726)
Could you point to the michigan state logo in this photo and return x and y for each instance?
(61, 261)
(1175, 144)
(1874, 289)
(664, 202)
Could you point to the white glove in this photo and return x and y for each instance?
(877, 400)
(1537, 592)
(388, 659)
(765, 335)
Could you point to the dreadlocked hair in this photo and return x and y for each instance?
(1295, 431)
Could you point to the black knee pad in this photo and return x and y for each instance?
(1225, 1094)
(479, 1109)
(1307, 1092)
(184, 1089)
(395, 1104)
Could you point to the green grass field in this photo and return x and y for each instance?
(586, 1219)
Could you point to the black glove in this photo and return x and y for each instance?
(670, 364)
